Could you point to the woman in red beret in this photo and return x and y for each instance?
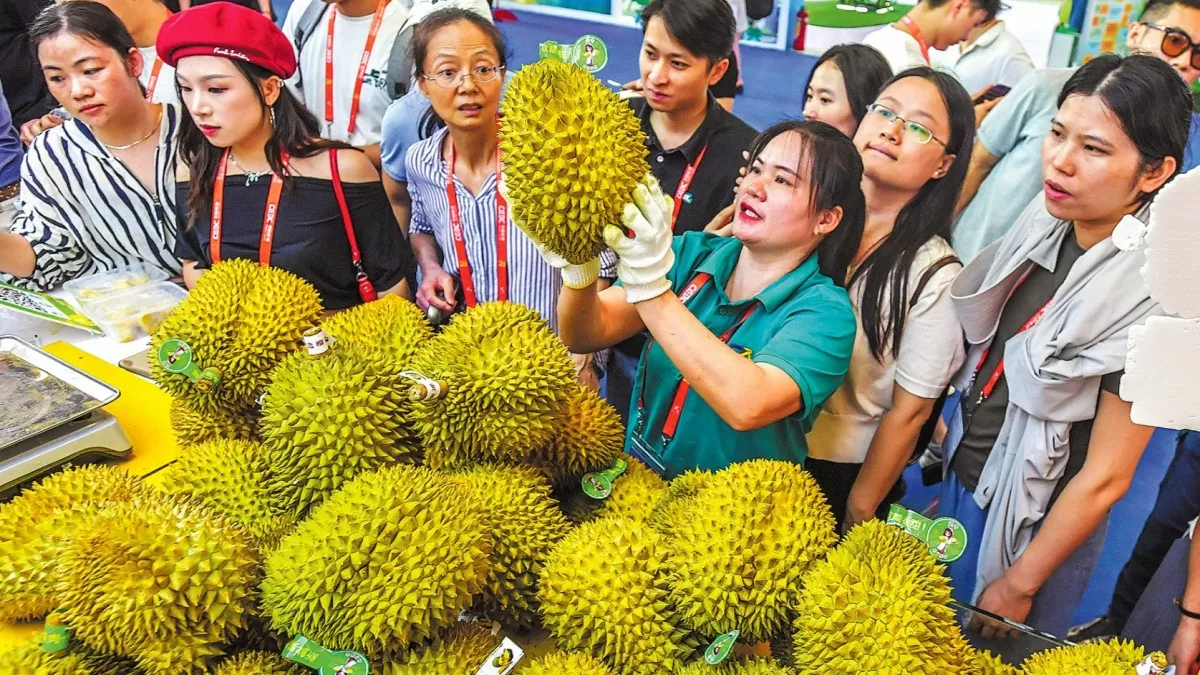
(256, 181)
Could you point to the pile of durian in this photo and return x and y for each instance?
(415, 496)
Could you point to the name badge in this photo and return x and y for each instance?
(640, 448)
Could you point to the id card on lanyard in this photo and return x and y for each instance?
(376, 22)
(270, 214)
(640, 446)
(460, 244)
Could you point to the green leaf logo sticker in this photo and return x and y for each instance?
(588, 52)
(599, 485)
(56, 635)
(325, 662)
(175, 356)
(947, 539)
(721, 648)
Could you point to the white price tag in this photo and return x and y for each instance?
(503, 659)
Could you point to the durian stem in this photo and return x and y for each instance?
(421, 392)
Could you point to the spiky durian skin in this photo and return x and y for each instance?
(987, 663)
(34, 525)
(159, 579)
(567, 663)
(326, 420)
(460, 650)
(755, 666)
(573, 153)
(1115, 657)
(392, 325)
(216, 423)
(525, 524)
(678, 500)
(604, 591)
(258, 663)
(230, 477)
(241, 319)
(635, 493)
(590, 438)
(508, 377)
(878, 603)
(390, 559)
(739, 546)
(29, 659)
(577, 506)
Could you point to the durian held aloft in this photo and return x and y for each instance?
(573, 153)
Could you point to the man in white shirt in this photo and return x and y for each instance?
(143, 18)
(989, 56)
(360, 95)
(931, 24)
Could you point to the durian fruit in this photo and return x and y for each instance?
(258, 663)
(573, 154)
(230, 477)
(678, 501)
(604, 591)
(34, 525)
(735, 666)
(241, 320)
(505, 378)
(525, 525)
(1115, 657)
(878, 603)
(590, 438)
(393, 325)
(161, 580)
(740, 544)
(987, 663)
(328, 419)
(389, 560)
(567, 663)
(217, 423)
(28, 658)
(461, 650)
(635, 493)
(576, 505)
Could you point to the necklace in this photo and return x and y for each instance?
(251, 176)
(150, 133)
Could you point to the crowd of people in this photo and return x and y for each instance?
(921, 262)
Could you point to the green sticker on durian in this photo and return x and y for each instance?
(309, 653)
(721, 648)
(599, 485)
(176, 356)
(589, 52)
(55, 635)
(946, 537)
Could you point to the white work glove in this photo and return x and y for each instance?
(573, 276)
(647, 258)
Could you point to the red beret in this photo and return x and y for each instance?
(229, 30)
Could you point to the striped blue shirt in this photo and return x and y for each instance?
(531, 281)
(84, 211)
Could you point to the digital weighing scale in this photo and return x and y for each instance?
(50, 415)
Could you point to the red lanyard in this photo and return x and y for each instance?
(270, 214)
(376, 21)
(671, 424)
(460, 244)
(988, 387)
(915, 31)
(154, 71)
(685, 182)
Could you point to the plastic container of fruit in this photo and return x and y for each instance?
(119, 280)
(135, 313)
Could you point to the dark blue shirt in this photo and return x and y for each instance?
(11, 150)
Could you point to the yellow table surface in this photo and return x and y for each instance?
(144, 413)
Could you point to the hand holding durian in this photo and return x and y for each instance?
(647, 256)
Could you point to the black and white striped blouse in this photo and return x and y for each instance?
(84, 211)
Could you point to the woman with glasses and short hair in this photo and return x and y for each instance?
(454, 180)
(915, 142)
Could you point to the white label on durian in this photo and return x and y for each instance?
(503, 659)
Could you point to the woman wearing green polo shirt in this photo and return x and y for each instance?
(749, 334)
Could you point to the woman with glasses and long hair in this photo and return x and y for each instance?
(915, 142)
(256, 181)
(458, 213)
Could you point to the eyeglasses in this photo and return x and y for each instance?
(1176, 42)
(452, 78)
(920, 132)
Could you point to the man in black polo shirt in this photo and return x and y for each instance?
(695, 145)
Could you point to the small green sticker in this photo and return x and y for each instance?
(599, 485)
(309, 653)
(176, 356)
(946, 537)
(55, 635)
(721, 648)
(588, 52)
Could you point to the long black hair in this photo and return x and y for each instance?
(864, 71)
(834, 169)
(86, 19)
(294, 128)
(884, 306)
(1147, 97)
(419, 50)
